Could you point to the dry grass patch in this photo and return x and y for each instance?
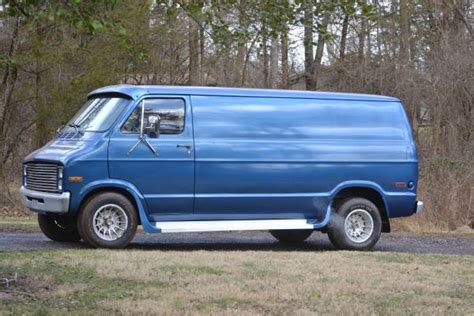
(244, 282)
(19, 224)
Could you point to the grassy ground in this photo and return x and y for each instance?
(90, 281)
(19, 224)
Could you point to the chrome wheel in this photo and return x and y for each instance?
(110, 222)
(359, 225)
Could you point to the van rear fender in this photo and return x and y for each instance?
(366, 189)
(119, 186)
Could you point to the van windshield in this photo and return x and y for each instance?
(97, 115)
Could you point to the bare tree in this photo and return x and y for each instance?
(320, 49)
(285, 71)
(241, 44)
(273, 82)
(265, 59)
(342, 45)
(308, 47)
(404, 33)
(194, 71)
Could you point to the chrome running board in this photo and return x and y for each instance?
(235, 225)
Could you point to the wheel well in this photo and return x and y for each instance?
(121, 191)
(369, 194)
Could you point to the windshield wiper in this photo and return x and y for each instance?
(76, 127)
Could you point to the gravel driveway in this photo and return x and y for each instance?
(394, 242)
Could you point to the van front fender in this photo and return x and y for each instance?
(116, 184)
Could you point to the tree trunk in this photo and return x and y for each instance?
(171, 22)
(378, 27)
(368, 43)
(362, 34)
(319, 50)
(265, 59)
(193, 36)
(308, 47)
(404, 34)
(9, 76)
(361, 53)
(274, 63)
(342, 46)
(41, 111)
(202, 47)
(285, 71)
(41, 115)
(404, 59)
(241, 45)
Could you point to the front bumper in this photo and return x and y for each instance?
(45, 202)
(418, 207)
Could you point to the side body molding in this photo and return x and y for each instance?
(152, 227)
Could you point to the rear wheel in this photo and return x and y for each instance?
(59, 228)
(291, 236)
(108, 220)
(356, 225)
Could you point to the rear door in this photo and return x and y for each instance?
(166, 179)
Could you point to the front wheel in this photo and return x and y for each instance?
(356, 225)
(59, 228)
(108, 220)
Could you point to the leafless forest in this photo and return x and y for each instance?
(53, 52)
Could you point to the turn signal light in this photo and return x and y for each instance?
(75, 179)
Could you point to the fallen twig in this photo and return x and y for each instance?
(7, 281)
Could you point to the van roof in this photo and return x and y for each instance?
(136, 91)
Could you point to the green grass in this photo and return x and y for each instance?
(87, 281)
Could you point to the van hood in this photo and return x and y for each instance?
(63, 150)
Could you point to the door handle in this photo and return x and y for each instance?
(189, 148)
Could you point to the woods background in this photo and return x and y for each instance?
(53, 53)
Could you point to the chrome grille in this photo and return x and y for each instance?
(41, 176)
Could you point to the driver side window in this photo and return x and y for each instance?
(170, 112)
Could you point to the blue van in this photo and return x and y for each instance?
(198, 159)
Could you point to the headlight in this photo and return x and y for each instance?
(60, 178)
(24, 174)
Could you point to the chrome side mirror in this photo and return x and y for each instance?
(58, 131)
(152, 128)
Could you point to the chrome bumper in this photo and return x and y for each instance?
(419, 207)
(45, 202)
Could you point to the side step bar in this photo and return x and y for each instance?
(233, 225)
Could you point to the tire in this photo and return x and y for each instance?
(108, 220)
(292, 236)
(366, 227)
(59, 228)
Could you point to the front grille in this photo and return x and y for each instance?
(41, 176)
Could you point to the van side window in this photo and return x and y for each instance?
(170, 111)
